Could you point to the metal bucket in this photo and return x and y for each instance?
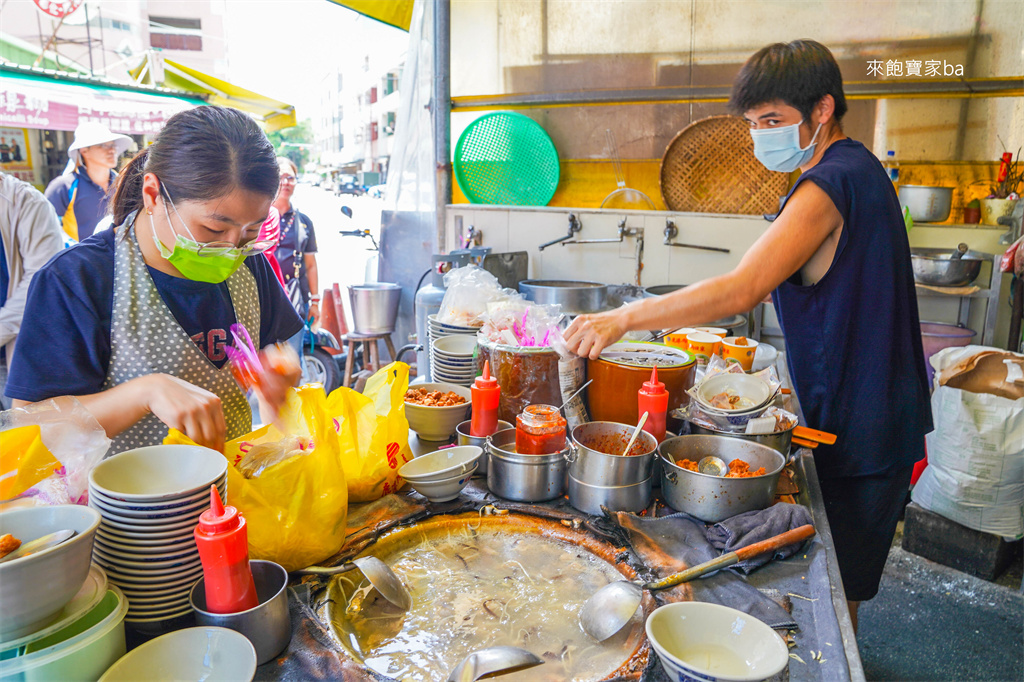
(598, 468)
(523, 478)
(589, 498)
(463, 438)
(713, 498)
(374, 307)
(780, 441)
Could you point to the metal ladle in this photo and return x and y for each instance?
(495, 660)
(713, 466)
(377, 572)
(613, 606)
(39, 544)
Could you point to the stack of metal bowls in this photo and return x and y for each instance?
(598, 478)
(453, 359)
(150, 500)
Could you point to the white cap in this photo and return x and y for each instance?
(91, 133)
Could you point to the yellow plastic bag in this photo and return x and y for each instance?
(296, 509)
(24, 460)
(373, 433)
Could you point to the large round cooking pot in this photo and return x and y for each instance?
(713, 498)
(937, 267)
(612, 395)
(737, 324)
(590, 463)
(523, 478)
(576, 298)
(927, 204)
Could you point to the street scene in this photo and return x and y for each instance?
(529, 340)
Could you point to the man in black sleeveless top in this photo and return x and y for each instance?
(837, 263)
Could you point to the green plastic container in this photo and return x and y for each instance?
(82, 651)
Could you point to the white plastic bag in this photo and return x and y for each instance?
(468, 291)
(975, 473)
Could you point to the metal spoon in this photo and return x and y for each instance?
(495, 660)
(377, 572)
(639, 427)
(612, 606)
(713, 466)
(39, 544)
(575, 393)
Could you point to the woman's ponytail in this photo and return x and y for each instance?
(128, 192)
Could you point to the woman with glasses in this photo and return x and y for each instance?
(133, 321)
(296, 249)
(81, 194)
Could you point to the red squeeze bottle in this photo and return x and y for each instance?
(486, 395)
(652, 398)
(223, 544)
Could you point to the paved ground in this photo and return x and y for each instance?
(930, 622)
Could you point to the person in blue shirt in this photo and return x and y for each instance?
(80, 195)
(836, 261)
(133, 321)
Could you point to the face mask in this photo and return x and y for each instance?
(779, 148)
(213, 264)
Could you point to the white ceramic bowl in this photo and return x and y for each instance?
(156, 515)
(159, 505)
(135, 526)
(108, 544)
(745, 385)
(158, 472)
(442, 464)
(33, 589)
(445, 489)
(143, 536)
(701, 641)
(438, 423)
(206, 653)
(459, 345)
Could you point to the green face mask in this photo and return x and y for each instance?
(199, 262)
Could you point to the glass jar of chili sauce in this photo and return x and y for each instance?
(540, 430)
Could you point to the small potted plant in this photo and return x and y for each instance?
(972, 212)
(1005, 193)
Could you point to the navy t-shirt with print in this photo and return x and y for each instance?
(64, 344)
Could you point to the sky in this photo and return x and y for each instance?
(284, 48)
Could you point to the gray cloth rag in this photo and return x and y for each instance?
(745, 529)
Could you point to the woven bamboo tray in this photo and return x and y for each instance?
(710, 167)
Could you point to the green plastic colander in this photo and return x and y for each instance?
(506, 158)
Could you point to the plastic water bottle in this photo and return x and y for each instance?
(892, 167)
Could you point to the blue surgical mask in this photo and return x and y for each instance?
(779, 148)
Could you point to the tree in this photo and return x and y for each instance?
(294, 142)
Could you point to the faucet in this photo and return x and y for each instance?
(574, 226)
(671, 232)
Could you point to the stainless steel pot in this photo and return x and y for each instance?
(780, 441)
(927, 204)
(374, 307)
(597, 468)
(576, 298)
(463, 438)
(713, 498)
(589, 498)
(523, 478)
(937, 267)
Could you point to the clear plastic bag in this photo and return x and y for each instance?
(468, 291)
(47, 450)
(262, 456)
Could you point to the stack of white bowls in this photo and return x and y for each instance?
(150, 500)
(452, 359)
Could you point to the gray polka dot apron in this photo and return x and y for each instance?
(145, 338)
